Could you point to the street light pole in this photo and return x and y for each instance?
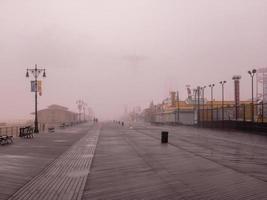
(222, 83)
(80, 107)
(203, 102)
(178, 107)
(84, 107)
(36, 72)
(211, 99)
(198, 104)
(195, 102)
(252, 73)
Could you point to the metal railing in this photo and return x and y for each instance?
(252, 117)
(246, 112)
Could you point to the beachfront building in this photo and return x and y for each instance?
(194, 109)
(55, 115)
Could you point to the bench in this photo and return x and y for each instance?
(63, 125)
(26, 132)
(6, 139)
(51, 129)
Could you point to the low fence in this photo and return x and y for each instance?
(244, 117)
(256, 113)
(235, 125)
(13, 130)
(10, 130)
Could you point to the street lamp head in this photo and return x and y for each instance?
(252, 72)
(27, 74)
(211, 85)
(44, 74)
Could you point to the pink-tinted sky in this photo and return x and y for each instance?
(113, 53)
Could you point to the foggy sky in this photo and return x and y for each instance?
(113, 53)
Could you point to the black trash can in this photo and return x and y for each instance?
(164, 137)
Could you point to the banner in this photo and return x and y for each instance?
(37, 87)
(33, 86)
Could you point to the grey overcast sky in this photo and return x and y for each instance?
(113, 53)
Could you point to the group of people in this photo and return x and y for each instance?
(95, 120)
(118, 122)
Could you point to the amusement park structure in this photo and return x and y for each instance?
(261, 87)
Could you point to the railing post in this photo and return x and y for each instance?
(244, 113)
(217, 113)
(262, 113)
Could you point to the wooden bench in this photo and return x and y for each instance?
(63, 125)
(6, 139)
(26, 132)
(51, 129)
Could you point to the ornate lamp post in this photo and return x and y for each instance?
(80, 107)
(35, 72)
(252, 73)
(84, 108)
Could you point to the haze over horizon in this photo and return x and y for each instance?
(121, 53)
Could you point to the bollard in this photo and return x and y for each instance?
(164, 137)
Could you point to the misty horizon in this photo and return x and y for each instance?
(117, 54)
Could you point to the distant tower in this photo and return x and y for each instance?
(236, 79)
(173, 98)
(189, 92)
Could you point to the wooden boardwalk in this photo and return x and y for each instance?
(65, 177)
(130, 164)
(27, 158)
(114, 162)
